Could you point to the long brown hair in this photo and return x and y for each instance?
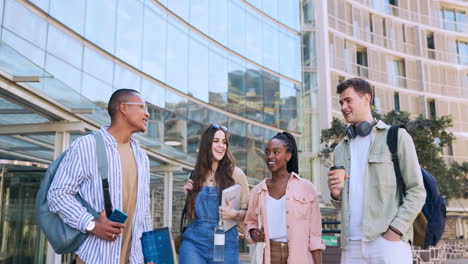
(223, 174)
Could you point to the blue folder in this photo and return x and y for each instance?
(157, 246)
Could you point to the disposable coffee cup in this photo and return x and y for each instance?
(340, 172)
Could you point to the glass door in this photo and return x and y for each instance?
(21, 240)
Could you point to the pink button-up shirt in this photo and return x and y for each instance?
(303, 219)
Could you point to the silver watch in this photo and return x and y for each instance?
(90, 226)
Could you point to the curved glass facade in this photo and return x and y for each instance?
(142, 35)
(195, 62)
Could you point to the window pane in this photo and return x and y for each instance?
(98, 66)
(96, 90)
(254, 37)
(236, 28)
(198, 74)
(175, 121)
(26, 48)
(271, 86)
(180, 7)
(270, 7)
(124, 78)
(64, 47)
(177, 58)
(461, 21)
(290, 55)
(129, 32)
(154, 45)
(288, 107)
(238, 142)
(236, 89)
(449, 16)
(198, 14)
(255, 152)
(270, 47)
(218, 80)
(64, 72)
(71, 13)
(24, 23)
(219, 21)
(289, 14)
(100, 26)
(254, 94)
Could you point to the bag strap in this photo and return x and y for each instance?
(392, 142)
(183, 218)
(103, 167)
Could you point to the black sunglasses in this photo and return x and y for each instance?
(220, 127)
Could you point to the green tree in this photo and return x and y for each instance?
(430, 136)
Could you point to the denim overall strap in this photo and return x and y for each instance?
(206, 207)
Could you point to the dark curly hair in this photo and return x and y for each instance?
(291, 147)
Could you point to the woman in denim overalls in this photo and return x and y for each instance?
(213, 173)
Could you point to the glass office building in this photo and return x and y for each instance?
(235, 63)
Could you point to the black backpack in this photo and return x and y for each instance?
(430, 223)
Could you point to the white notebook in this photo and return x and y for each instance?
(233, 194)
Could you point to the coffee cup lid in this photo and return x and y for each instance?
(339, 167)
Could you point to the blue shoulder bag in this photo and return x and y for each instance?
(64, 238)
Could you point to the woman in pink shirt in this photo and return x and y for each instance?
(288, 207)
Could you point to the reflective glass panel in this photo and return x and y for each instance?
(154, 44)
(449, 16)
(157, 200)
(271, 85)
(236, 88)
(177, 58)
(129, 31)
(198, 70)
(194, 132)
(199, 14)
(254, 42)
(270, 47)
(64, 47)
(71, 13)
(26, 48)
(24, 23)
(237, 28)
(124, 78)
(175, 121)
(96, 90)
(254, 94)
(180, 7)
(16, 64)
(238, 142)
(218, 80)
(288, 107)
(98, 66)
(61, 70)
(100, 26)
(255, 152)
(219, 21)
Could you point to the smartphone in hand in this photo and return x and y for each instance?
(118, 216)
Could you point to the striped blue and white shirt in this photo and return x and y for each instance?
(78, 173)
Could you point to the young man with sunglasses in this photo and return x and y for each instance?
(375, 227)
(128, 176)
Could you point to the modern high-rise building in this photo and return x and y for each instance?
(235, 63)
(414, 53)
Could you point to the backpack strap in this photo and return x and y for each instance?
(183, 218)
(103, 167)
(392, 142)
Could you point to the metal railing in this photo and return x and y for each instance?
(367, 36)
